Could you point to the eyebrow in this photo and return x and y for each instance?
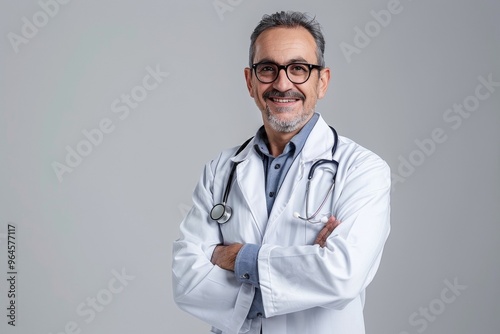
(293, 60)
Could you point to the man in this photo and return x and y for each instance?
(292, 258)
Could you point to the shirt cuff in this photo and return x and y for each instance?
(257, 308)
(245, 266)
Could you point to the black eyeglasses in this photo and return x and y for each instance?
(297, 73)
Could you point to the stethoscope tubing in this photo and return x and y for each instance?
(223, 216)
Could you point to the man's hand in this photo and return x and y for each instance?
(325, 232)
(225, 256)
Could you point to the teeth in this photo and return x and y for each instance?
(283, 100)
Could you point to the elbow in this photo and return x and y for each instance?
(346, 293)
(342, 300)
(345, 299)
(178, 291)
(346, 288)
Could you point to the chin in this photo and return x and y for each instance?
(285, 125)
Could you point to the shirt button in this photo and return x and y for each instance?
(245, 276)
(277, 166)
(259, 314)
(271, 194)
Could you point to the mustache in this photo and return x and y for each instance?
(277, 93)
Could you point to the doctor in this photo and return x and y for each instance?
(292, 258)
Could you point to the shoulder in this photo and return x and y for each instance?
(228, 155)
(222, 158)
(358, 162)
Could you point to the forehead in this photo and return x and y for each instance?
(283, 45)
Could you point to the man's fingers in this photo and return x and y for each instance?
(334, 223)
(224, 256)
(215, 254)
(325, 232)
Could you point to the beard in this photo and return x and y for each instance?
(280, 125)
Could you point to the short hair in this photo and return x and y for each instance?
(290, 19)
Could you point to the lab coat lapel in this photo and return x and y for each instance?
(250, 180)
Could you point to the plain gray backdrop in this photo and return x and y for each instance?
(409, 82)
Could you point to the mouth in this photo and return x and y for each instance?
(282, 104)
(282, 100)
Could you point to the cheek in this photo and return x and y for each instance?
(313, 94)
(255, 89)
(259, 92)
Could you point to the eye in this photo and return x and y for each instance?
(299, 68)
(266, 68)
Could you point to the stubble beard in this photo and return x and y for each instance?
(286, 126)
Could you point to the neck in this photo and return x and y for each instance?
(278, 140)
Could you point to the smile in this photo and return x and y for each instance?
(281, 100)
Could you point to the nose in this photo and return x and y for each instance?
(282, 83)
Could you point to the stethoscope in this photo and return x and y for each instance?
(221, 212)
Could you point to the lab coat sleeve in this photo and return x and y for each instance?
(201, 288)
(294, 278)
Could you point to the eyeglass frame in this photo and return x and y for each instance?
(285, 68)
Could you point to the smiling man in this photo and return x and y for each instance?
(287, 98)
(287, 230)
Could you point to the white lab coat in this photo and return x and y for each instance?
(305, 289)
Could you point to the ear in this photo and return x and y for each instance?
(324, 80)
(248, 79)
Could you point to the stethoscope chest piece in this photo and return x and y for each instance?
(221, 213)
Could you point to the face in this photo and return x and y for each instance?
(286, 106)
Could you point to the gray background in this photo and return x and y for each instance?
(121, 207)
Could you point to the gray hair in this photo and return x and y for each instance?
(290, 19)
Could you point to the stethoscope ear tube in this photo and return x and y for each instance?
(320, 162)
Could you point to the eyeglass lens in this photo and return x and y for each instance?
(296, 72)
